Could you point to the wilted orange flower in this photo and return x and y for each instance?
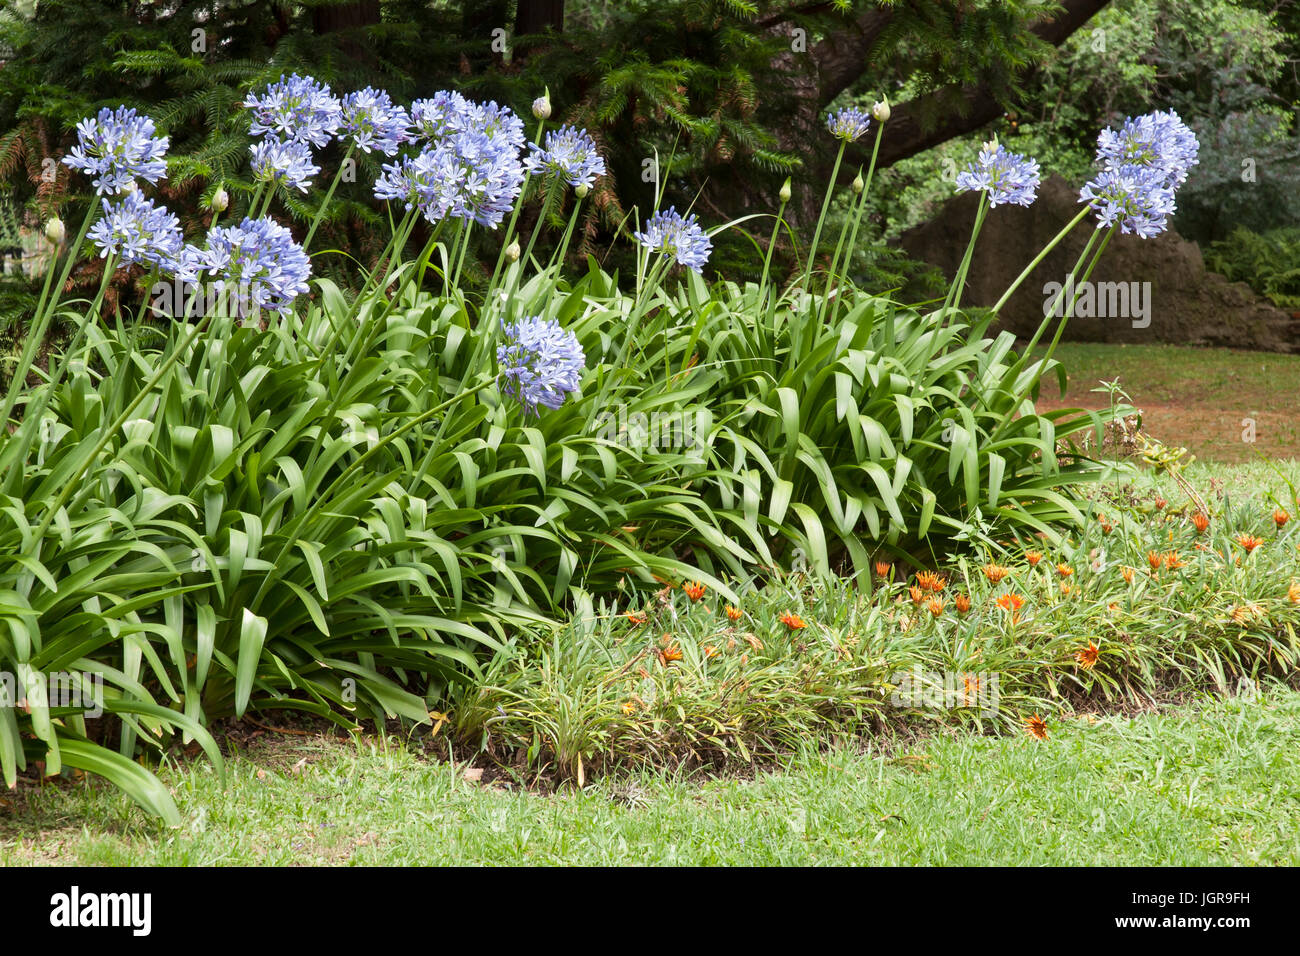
(1280, 517)
(962, 603)
(1064, 570)
(935, 605)
(1154, 559)
(636, 617)
(1065, 589)
(930, 580)
(883, 568)
(1173, 562)
(1036, 726)
(1250, 611)
(733, 613)
(1088, 656)
(1200, 521)
(629, 707)
(1012, 603)
(916, 594)
(1127, 572)
(995, 572)
(710, 652)
(1160, 503)
(669, 654)
(1033, 557)
(1293, 592)
(1249, 542)
(793, 621)
(753, 641)
(694, 590)
(1106, 526)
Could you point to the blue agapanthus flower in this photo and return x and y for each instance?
(1159, 141)
(466, 176)
(115, 148)
(1138, 198)
(539, 363)
(1007, 177)
(136, 230)
(372, 121)
(446, 112)
(283, 163)
(297, 108)
(848, 123)
(570, 154)
(257, 261)
(668, 232)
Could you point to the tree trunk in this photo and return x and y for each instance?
(535, 16)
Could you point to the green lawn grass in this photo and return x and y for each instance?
(1211, 782)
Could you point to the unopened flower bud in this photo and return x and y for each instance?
(881, 111)
(220, 201)
(55, 231)
(858, 184)
(785, 190)
(582, 190)
(513, 251)
(542, 106)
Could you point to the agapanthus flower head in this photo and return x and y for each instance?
(681, 237)
(372, 121)
(1159, 141)
(257, 258)
(296, 108)
(539, 362)
(444, 113)
(115, 148)
(1138, 198)
(1007, 177)
(466, 176)
(569, 154)
(848, 123)
(283, 163)
(137, 230)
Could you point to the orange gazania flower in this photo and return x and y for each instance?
(1293, 592)
(1154, 559)
(793, 621)
(1087, 657)
(1033, 557)
(1173, 562)
(962, 603)
(1106, 526)
(1012, 603)
(930, 580)
(917, 594)
(636, 617)
(710, 652)
(1127, 572)
(995, 572)
(694, 590)
(883, 568)
(733, 613)
(1036, 726)
(1160, 503)
(1064, 570)
(1065, 589)
(670, 654)
(1200, 521)
(935, 606)
(1249, 542)
(1280, 517)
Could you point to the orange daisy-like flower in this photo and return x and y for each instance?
(962, 603)
(1173, 562)
(935, 606)
(1087, 657)
(1065, 589)
(1064, 570)
(670, 654)
(636, 617)
(629, 708)
(995, 572)
(1293, 592)
(1155, 560)
(1280, 517)
(1036, 726)
(1012, 603)
(1249, 541)
(733, 613)
(973, 684)
(1127, 572)
(917, 594)
(1160, 503)
(1106, 526)
(793, 621)
(694, 590)
(710, 652)
(883, 568)
(1033, 557)
(1200, 521)
(931, 580)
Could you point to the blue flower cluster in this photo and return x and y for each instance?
(296, 108)
(1142, 164)
(136, 230)
(848, 123)
(256, 259)
(540, 363)
(283, 163)
(569, 154)
(1007, 177)
(372, 121)
(117, 147)
(682, 238)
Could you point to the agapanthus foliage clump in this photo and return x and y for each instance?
(540, 362)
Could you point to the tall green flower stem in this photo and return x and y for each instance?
(514, 218)
(40, 324)
(953, 299)
(644, 293)
(858, 213)
(320, 213)
(826, 205)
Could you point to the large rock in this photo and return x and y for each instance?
(1171, 296)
